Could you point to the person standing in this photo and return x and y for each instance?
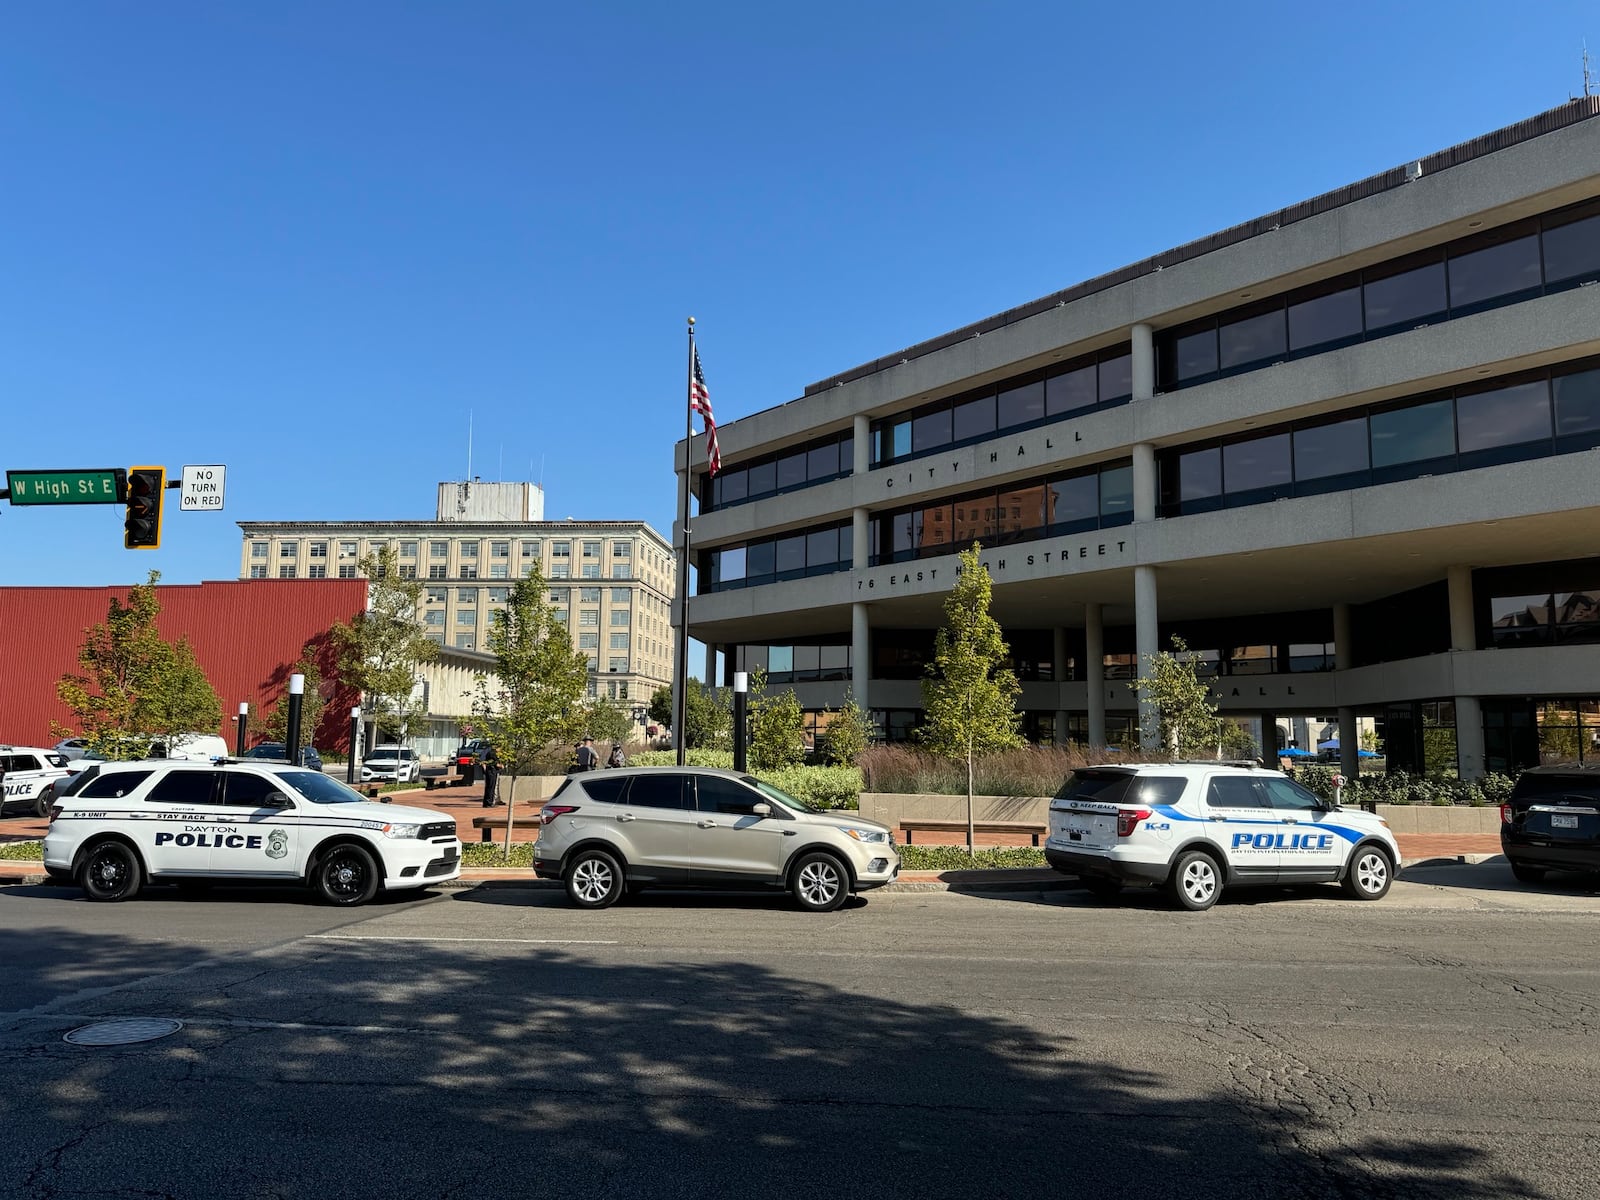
(491, 778)
(616, 759)
(588, 760)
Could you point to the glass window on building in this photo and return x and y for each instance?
(560, 570)
(621, 595)
(497, 571)
(588, 641)
(1329, 451)
(621, 549)
(561, 549)
(591, 570)
(530, 549)
(499, 549)
(619, 641)
(621, 616)
(438, 549)
(434, 616)
(317, 571)
(588, 618)
(258, 550)
(347, 570)
(621, 570)
(436, 595)
(408, 549)
(467, 595)
(286, 571)
(466, 617)
(319, 549)
(465, 641)
(349, 549)
(1420, 434)
(436, 571)
(618, 665)
(469, 549)
(591, 549)
(589, 595)
(258, 571)
(288, 549)
(498, 595)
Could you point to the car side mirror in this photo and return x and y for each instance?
(277, 800)
(761, 810)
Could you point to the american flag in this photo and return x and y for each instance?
(700, 402)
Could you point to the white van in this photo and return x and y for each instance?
(190, 747)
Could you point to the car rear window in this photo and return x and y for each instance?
(112, 784)
(1531, 785)
(1157, 789)
(1106, 787)
(80, 781)
(607, 789)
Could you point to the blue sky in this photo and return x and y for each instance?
(304, 240)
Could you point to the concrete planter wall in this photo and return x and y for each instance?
(890, 808)
(530, 788)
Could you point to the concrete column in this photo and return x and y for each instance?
(1058, 659)
(1144, 362)
(1147, 641)
(862, 446)
(860, 543)
(1463, 633)
(1144, 482)
(1349, 744)
(1270, 749)
(1342, 649)
(1094, 654)
(711, 664)
(860, 655)
(1469, 737)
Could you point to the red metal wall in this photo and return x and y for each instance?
(247, 634)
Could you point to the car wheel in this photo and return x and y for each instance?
(1369, 874)
(346, 876)
(41, 803)
(1196, 881)
(110, 872)
(1525, 874)
(594, 879)
(1102, 888)
(820, 883)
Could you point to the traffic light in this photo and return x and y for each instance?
(142, 529)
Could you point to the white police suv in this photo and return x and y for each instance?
(1197, 827)
(119, 825)
(28, 772)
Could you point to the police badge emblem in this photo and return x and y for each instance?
(278, 843)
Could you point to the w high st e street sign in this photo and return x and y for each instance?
(100, 485)
(139, 488)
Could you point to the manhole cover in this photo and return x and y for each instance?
(122, 1033)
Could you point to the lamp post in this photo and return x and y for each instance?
(297, 698)
(741, 688)
(355, 744)
(244, 716)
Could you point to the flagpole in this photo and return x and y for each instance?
(680, 670)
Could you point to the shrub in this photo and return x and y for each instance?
(956, 858)
(1027, 771)
(826, 787)
(1397, 787)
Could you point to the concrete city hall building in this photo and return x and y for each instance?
(1346, 451)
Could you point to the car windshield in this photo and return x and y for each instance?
(781, 796)
(321, 789)
(265, 750)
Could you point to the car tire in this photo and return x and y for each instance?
(1526, 874)
(41, 804)
(346, 876)
(1102, 888)
(110, 873)
(594, 879)
(1196, 881)
(1368, 875)
(819, 882)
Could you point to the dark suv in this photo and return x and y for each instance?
(278, 752)
(1552, 822)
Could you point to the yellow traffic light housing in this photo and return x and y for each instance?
(142, 529)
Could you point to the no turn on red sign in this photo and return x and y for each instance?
(202, 488)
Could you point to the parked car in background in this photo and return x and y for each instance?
(70, 748)
(399, 763)
(278, 752)
(1552, 822)
(29, 772)
(471, 752)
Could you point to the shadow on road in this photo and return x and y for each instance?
(556, 1073)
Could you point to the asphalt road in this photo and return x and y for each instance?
(492, 1042)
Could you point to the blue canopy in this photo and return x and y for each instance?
(1295, 752)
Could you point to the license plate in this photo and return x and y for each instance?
(1559, 821)
(1075, 836)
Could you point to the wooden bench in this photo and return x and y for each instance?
(1033, 829)
(430, 782)
(498, 821)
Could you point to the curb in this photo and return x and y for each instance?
(1450, 860)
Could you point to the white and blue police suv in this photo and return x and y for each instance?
(119, 825)
(27, 773)
(1195, 828)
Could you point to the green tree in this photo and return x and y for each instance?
(606, 720)
(777, 727)
(970, 694)
(1185, 707)
(848, 734)
(274, 724)
(380, 650)
(661, 705)
(135, 686)
(707, 720)
(1371, 742)
(539, 703)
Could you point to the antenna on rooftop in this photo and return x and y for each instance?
(1589, 85)
(469, 443)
